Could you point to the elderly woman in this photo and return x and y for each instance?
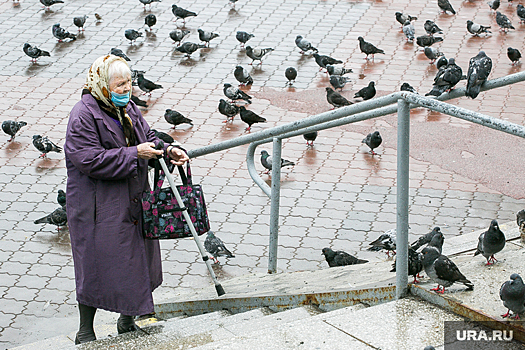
(108, 144)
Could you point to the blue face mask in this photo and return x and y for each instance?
(120, 100)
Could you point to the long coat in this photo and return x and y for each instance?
(116, 269)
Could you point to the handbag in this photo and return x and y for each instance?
(162, 217)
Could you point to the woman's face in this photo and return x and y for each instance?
(120, 85)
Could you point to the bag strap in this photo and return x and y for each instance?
(159, 174)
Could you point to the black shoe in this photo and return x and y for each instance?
(130, 328)
(77, 341)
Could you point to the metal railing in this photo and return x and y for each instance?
(400, 102)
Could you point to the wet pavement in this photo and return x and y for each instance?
(462, 175)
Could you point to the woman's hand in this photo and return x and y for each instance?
(147, 150)
(178, 156)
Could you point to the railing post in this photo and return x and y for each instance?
(403, 148)
(274, 209)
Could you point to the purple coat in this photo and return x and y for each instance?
(116, 269)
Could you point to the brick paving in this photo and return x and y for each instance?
(461, 175)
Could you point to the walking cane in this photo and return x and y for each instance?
(218, 287)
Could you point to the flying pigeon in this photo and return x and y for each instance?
(432, 28)
(243, 37)
(337, 70)
(514, 55)
(290, 73)
(432, 54)
(477, 29)
(181, 13)
(228, 109)
(132, 35)
(11, 127)
(178, 34)
(62, 34)
(118, 52)
(338, 81)
(479, 68)
(407, 87)
(323, 60)
(234, 93)
(335, 99)
(250, 117)
(402, 18)
(304, 44)
(175, 118)
(146, 85)
(415, 266)
(256, 54)
(215, 246)
(138, 101)
(426, 238)
(491, 242)
(386, 241)
(520, 11)
(520, 220)
(34, 52)
(188, 48)
(427, 40)
(367, 48)
(367, 92)
(242, 75)
(503, 21)
(445, 6)
(48, 3)
(512, 293)
(150, 20)
(206, 36)
(409, 31)
(494, 4)
(44, 145)
(61, 198)
(266, 161)
(148, 2)
(310, 137)
(164, 137)
(442, 270)
(446, 78)
(373, 140)
(58, 217)
(340, 258)
(79, 22)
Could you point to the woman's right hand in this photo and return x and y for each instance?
(147, 150)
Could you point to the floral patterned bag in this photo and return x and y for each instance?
(162, 217)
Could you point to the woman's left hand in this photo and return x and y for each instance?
(178, 156)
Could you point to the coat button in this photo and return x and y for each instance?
(136, 222)
(135, 200)
(135, 176)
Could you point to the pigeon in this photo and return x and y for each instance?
(407, 87)
(367, 92)
(290, 73)
(175, 118)
(503, 21)
(132, 35)
(188, 48)
(178, 34)
(402, 18)
(58, 217)
(61, 198)
(34, 52)
(250, 117)
(266, 161)
(494, 4)
(98, 17)
(409, 31)
(62, 34)
(520, 11)
(135, 76)
(336, 70)
(427, 40)
(373, 140)
(340, 258)
(44, 145)
(181, 13)
(215, 246)
(415, 266)
(11, 127)
(207, 36)
(386, 241)
(426, 238)
(432, 28)
(232, 3)
(491, 242)
(150, 20)
(442, 270)
(479, 68)
(148, 2)
(429, 347)
(228, 109)
(146, 85)
(79, 22)
(520, 220)
(243, 37)
(234, 93)
(323, 60)
(304, 44)
(446, 78)
(47, 3)
(138, 101)
(367, 48)
(257, 53)
(437, 242)
(441, 62)
(338, 81)
(335, 99)
(512, 293)
(164, 137)
(310, 137)
(445, 6)
(477, 29)
(242, 75)
(432, 54)
(118, 52)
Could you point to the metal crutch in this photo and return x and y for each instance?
(218, 287)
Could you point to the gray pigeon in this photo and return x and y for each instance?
(337, 70)
(432, 54)
(80, 22)
(335, 99)
(407, 87)
(338, 81)
(150, 20)
(250, 117)
(215, 246)
(234, 93)
(175, 118)
(118, 52)
(340, 258)
(494, 4)
(11, 127)
(181, 13)
(520, 11)
(520, 220)
(445, 6)
(163, 136)
(441, 62)
(206, 36)
(135, 76)
(427, 40)
(44, 145)
(426, 238)
(138, 101)
(243, 37)
(402, 18)
(178, 34)
(437, 242)
(58, 217)
(432, 28)
(367, 92)
(146, 85)
(323, 60)
(446, 78)
(48, 3)
(442, 270)
(61, 198)
(290, 73)
(477, 29)
(409, 31)
(491, 242)
(478, 72)
(228, 109)
(512, 293)
(188, 48)
(242, 75)
(503, 21)
(304, 44)
(62, 34)
(34, 52)
(148, 2)
(367, 48)
(514, 55)
(266, 161)
(132, 35)
(386, 241)
(373, 140)
(415, 266)
(256, 54)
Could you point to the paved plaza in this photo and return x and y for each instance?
(337, 195)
